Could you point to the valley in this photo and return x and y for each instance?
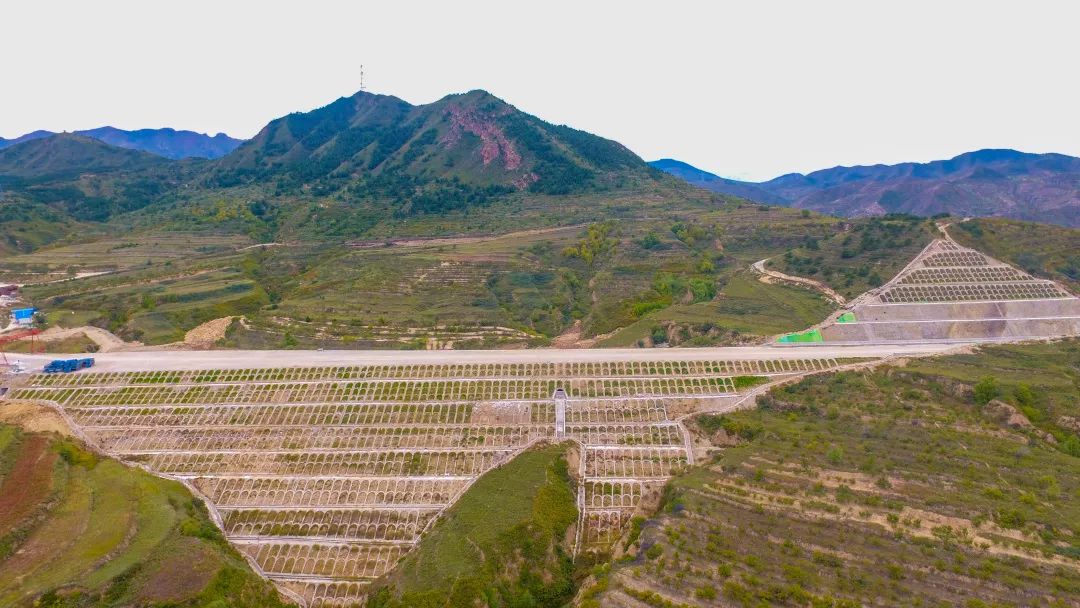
(339, 475)
(451, 355)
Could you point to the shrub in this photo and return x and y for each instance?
(987, 390)
(835, 455)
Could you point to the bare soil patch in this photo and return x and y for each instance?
(33, 418)
(205, 335)
(187, 571)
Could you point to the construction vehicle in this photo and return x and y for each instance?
(66, 366)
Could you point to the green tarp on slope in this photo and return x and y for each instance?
(812, 335)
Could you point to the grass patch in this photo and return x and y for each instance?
(745, 310)
(502, 539)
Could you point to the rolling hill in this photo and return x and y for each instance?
(1005, 183)
(81, 178)
(365, 162)
(570, 236)
(167, 142)
(66, 155)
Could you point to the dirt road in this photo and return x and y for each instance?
(459, 240)
(759, 267)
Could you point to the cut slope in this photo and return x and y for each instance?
(1050, 252)
(949, 292)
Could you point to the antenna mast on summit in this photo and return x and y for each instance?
(361, 77)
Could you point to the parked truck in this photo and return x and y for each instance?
(66, 366)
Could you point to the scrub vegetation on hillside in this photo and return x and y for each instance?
(950, 481)
(864, 255)
(78, 530)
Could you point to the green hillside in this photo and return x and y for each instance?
(81, 531)
(462, 149)
(875, 488)
(862, 255)
(77, 178)
(69, 155)
(502, 543)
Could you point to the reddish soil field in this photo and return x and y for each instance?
(29, 482)
(186, 571)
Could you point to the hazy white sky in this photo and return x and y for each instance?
(745, 89)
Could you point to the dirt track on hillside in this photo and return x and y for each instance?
(760, 268)
(457, 240)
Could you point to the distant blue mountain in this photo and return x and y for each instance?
(169, 143)
(710, 181)
(995, 182)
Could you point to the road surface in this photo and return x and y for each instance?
(249, 359)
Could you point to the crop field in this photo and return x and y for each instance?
(111, 255)
(684, 271)
(153, 303)
(325, 477)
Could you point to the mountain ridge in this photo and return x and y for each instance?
(711, 181)
(474, 138)
(987, 182)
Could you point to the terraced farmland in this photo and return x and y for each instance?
(325, 477)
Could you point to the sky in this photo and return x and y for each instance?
(748, 90)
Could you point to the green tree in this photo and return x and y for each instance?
(1024, 395)
(987, 390)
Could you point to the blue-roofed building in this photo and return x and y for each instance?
(23, 316)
